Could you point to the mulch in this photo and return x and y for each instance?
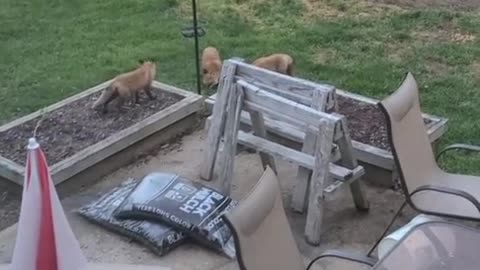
(70, 129)
(9, 204)
(366, 122)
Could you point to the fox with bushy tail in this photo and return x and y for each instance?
(125, 85)
(211, 66)
(277, 62)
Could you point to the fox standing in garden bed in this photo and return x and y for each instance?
(125, 85)
(211, 66)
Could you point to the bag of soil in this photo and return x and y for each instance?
(157, 237)
(187, 206)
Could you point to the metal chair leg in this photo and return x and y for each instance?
(358, 258)
(387, 229)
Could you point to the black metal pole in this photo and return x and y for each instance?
(197, 54)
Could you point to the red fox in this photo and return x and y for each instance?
(128, 84)
(278, 62)
(211, 66)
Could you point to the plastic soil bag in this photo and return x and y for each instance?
(187, 206)
(157, 237)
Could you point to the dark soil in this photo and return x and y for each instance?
(366, 122)
(9, 204)
(72, 128)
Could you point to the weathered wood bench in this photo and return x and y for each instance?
(247, 91)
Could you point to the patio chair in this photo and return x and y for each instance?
(434, 245)
(428, 189)
(263, 239)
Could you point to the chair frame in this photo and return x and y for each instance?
(373, 262)
(236, 241)
(354, 257)
(439, 189)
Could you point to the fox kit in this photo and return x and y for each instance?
(211, 66)
(125, 85)
(278, 62)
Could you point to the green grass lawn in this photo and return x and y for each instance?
(53, 49)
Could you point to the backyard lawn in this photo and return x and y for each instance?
(53, 49)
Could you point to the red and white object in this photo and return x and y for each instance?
(44, 240)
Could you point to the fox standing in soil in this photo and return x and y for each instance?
(211, 66)
(278, 62)
(125, 85)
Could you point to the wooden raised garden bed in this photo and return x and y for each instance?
(74, 137)
(366, 125)
(368, 128)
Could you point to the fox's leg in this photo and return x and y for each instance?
(121, 102)
(290, 69)
(282, 68)
(148, 91)
(112, 97)
(137, 97)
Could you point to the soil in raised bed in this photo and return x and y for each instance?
(9, 204)
(366, 122)
(72, 128)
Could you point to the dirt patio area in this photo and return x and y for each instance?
(344, 227)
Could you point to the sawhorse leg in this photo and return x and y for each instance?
(323, 150)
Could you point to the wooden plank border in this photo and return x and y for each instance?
(93, 154)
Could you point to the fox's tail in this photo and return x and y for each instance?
(106, 95)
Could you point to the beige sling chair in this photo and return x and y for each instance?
(264, 241)
(428, 189)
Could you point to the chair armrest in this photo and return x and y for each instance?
(354, 257)
(458, 146)
(449, 190)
